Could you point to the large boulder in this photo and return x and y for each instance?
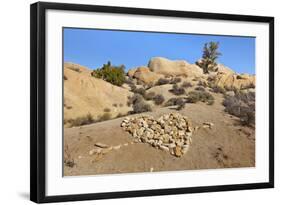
(131, 72)
(224, 69)
(234, 81)
(144, 74)
(85, 94)
(167, 67)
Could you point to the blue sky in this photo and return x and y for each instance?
(93, 48)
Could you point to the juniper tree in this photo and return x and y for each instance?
(209, 57)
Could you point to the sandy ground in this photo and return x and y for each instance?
(226, 145)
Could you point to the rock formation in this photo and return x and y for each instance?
(145, 75)
(232, 81)
(84, 94)
(174, 68)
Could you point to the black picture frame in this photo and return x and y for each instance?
(38, 101)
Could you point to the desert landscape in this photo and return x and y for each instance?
(167, 115)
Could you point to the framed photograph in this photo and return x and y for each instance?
(129, 102)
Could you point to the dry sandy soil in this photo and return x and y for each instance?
(227, 144)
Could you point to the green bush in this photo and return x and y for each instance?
(203, 96)
(112, 74)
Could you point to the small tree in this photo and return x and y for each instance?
(209, 57)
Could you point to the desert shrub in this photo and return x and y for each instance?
(175, 80)
(239, 77)
(120, 115)
(120, 105)
(114, 105)
(112, 74)
(218, 89)
(105, 116)
(203, 96)
(174, 101)
(64, 77)
(139, 105)
(133, 99)
(162, 81)
(186, 85)
(140, 91)
(107, 109)
(139, 82)
(133, 87)
(177, 90)
(202, 83)
(241, 105)
(148, 85)
(251, 85)
(200, 88)
(69, 163)
(149, 96)
(76, 69)
(88, 119)
(67, 106)
(181, 105)
(180, 102)
(249, 117)
(129, 81)
(68, 159)
(231, 88)
(158, 99)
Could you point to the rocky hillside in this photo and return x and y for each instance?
(84, 94)
(159, 67)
